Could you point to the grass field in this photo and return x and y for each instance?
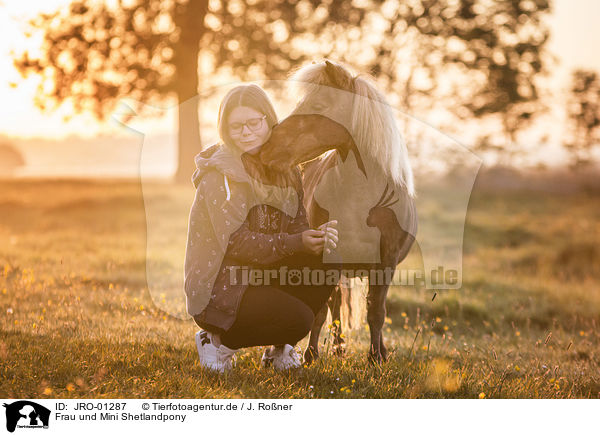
(77, 318)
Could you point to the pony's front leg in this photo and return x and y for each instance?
(376, 319)
(312, 351)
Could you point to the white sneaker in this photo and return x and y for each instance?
(213, 357)
(281, 358)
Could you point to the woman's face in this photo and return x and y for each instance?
(248, 129)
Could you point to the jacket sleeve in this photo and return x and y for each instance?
(244, 245)
(203, 255)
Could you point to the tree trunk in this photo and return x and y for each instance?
(188, 139)
(189, 19)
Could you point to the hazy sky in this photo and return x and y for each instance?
(575, 35)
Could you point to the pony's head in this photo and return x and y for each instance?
(331, 90)
(300, 138)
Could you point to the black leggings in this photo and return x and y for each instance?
(278, 314)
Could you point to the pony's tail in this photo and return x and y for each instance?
(353, 311)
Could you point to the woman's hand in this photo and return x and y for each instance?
(313, 241)
(326, 237)
(331, 235)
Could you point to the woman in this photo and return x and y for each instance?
(238, 223)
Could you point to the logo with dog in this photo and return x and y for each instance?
(25, 414)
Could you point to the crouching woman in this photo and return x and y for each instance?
(238, 223)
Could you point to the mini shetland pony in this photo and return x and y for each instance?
(365, 183)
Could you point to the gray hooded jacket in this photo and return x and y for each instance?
(234, 221)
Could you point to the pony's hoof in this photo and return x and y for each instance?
(310, 355)
(384, 354)
(376, 358)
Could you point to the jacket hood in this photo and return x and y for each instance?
(229, 163)
(219, 158)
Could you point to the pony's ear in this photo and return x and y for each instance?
(338, 76)
(330, 71)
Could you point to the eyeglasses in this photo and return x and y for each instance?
(254, 124)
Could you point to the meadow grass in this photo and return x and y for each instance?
(78, 318)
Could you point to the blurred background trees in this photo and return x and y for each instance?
(476, 59)
(583, 112)
(472, 58)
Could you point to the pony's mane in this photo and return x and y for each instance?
(373, 125)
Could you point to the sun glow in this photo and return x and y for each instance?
(572, 41)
